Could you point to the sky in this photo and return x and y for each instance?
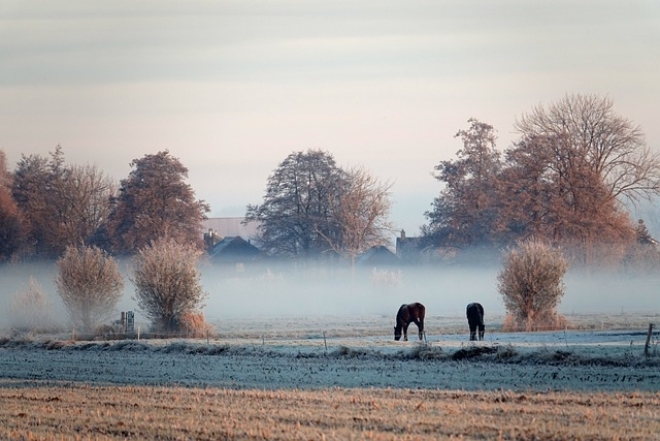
(231, 88)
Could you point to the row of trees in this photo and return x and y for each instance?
(312, 207)
(564, 181)
(47, 205)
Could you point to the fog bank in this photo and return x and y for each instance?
(307, 291)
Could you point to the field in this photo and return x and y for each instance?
(120, 412)
(338, 378)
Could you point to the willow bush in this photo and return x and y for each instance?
(531, 285)
(90, 285)
(168, 284)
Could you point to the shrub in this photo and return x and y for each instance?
(531, 285)
(542, 322)
(193, 325)
(386, 277)
(167, 283)
(109, 332)
(30, 310)
(90, 285)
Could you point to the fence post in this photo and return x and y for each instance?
(648, 340)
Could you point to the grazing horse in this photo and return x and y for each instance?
(475, 316)
(413, 312)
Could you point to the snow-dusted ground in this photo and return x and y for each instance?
(355, 351)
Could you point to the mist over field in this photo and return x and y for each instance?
(373, 291)
(283, 290)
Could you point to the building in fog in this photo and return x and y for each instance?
(215, 229)
(412, 250)
(233, 249)
(378, 256)
(409, 249)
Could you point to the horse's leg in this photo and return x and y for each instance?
(420, 327)
(473, 332)
(482, 330)
(405, 332)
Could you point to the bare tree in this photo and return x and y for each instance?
(90, 285)
(524, 193)
(464, 213)
(63, 205)
(593, 158)
(154, 202)
(362, 215)
(296, 218)
(586, 133)
(563, 181)
(12, 228)
(88, 193)
(559, 198)
(531, 284)
(32, 192)
(167, 283)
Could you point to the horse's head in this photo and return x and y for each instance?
(397, 333)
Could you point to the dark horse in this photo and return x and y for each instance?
(475, 316)
(413, 312)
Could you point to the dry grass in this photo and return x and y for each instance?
(109, 413)
(194, 325)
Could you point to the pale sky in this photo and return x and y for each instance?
(232, 87)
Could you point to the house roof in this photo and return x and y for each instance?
(379, 255)
(230, 226)
(233, 247)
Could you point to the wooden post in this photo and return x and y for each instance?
(325, 342)
(648, 340)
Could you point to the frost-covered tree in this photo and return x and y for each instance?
(90, 285)
(168, 283)
(531, 285)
